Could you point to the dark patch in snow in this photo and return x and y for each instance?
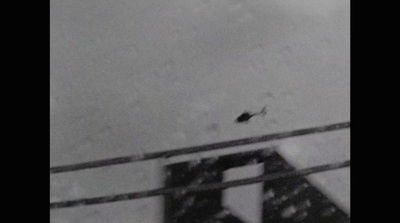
(246, 116)
(285, 201)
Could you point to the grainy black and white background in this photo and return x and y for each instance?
(132, 77)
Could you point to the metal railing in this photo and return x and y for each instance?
(195, 149)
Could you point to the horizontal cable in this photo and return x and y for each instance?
(195, 149)
(199, 188)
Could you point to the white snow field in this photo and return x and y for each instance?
(130, 77)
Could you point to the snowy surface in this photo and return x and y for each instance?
(128, 77)
(246, 202)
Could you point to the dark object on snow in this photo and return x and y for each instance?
(245, 116)
(291, 200)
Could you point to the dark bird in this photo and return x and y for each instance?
(245, 116)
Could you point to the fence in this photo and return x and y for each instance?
(195, 149)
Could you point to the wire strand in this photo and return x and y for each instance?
(195, 149)
(199, 188)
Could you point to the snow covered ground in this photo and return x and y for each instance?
(128, 77)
